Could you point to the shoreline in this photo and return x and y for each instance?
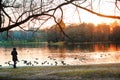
(94, 64)
(116, 63)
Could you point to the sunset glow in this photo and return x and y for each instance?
(71, 14)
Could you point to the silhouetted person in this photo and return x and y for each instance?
(14, 57)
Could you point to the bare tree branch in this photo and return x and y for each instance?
(18, 12)
(31, 15)
(98, 14)
(116, 4)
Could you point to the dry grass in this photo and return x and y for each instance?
(83, 72)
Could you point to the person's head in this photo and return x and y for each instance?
(14, 49)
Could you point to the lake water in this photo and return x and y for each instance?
(54, 55)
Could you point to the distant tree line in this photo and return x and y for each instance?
(87, 32)
(84, 32)
(23, 35)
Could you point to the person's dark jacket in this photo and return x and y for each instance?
(14, 55)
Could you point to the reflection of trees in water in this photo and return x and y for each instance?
(57, 48)
(90, 47)
(80, 47)
(61, 49)
(106, 47)
(71, 48)
(114, 47)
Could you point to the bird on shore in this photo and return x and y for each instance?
(9, 63)
(44, 62)
(36, 58)
(36, 62)
(24, 61)
(56, 63)
(63, 62)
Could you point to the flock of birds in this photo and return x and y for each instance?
(49, 61)
(53, 62)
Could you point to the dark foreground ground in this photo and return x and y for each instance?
(81, 72)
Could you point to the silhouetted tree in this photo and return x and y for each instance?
(21, 13)
(102, 32)
(55, 33)
(115, 36)
(80, 32)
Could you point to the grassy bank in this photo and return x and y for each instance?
(83, 72)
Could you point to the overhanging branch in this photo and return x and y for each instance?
(18, 23)
(98, 14)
